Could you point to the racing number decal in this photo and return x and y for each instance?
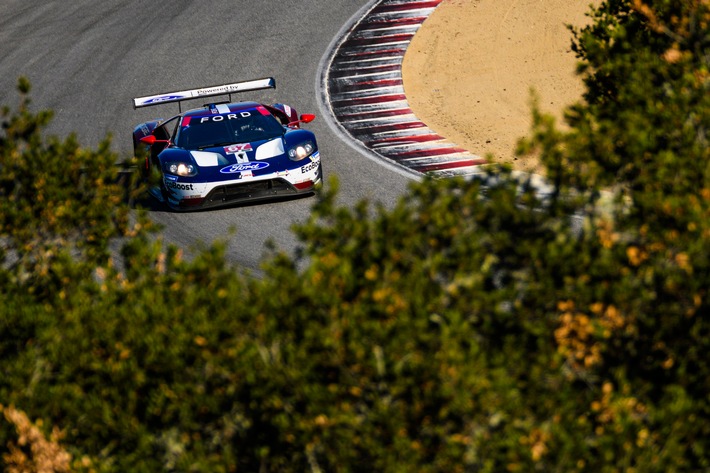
(238, 148)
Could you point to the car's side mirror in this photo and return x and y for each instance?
(150, 140)
(305, 118)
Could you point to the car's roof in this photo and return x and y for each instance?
(233, 107)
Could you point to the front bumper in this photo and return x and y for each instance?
(193, 196)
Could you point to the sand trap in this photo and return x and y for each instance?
(469, 70)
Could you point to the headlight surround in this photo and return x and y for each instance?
(181, 169)
(301, 151)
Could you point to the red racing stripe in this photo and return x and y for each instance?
(366, 93)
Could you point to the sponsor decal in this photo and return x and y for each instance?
(310, 167)
(244, 167)
(171, 178)
(315, 162)
(227, 116)
(179, 186)
(163, 98)
(219, 89)
(238, 148)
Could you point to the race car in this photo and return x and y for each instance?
(223, 152)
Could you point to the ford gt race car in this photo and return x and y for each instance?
(224, 152)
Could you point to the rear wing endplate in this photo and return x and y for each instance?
(225, 89)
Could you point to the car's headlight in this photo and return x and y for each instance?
(181, 169)
(301, 151)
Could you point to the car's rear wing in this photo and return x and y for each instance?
(226, 89)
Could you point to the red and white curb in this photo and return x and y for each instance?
(367, 99)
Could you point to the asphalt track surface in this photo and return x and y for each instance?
(86, 60)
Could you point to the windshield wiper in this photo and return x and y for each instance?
(214, 145)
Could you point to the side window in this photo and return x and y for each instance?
(162, 133)
(282, 117)
(167, 129)
(174, 125)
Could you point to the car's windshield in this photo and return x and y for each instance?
(199, 132)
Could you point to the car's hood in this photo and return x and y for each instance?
(240, 152)
(228, 154)
(258, 157)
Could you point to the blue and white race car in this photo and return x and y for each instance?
(224, 152)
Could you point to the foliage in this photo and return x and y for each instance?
(58, 201)
(474, 326)
(45, 455)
